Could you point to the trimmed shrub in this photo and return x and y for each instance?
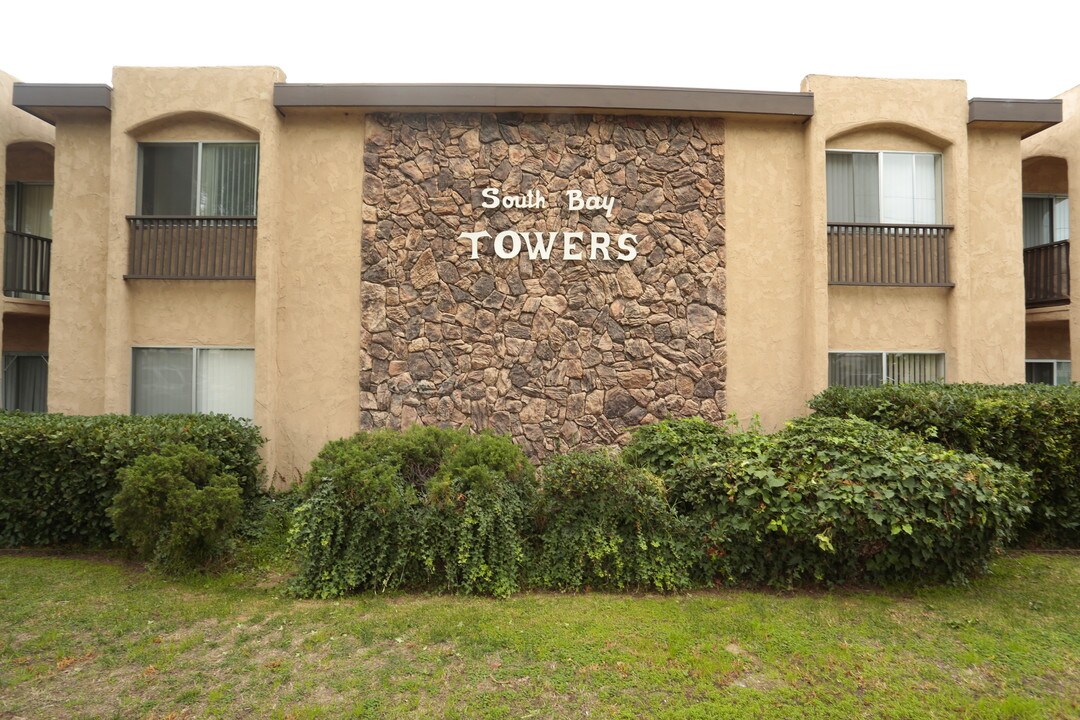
(843, 500)
(604, 524)
(421, 508)
(59, 473)
(1035, 427)
(176, 508)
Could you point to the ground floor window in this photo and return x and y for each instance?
(1048, 372)
(26, 381)
(853, 369)
(193, 379)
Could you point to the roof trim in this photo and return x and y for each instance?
(44, 99)
(543, 97)
(1014, 110)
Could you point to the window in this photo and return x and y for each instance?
(1048, 372)
(198, 179)
(891, 188)
(1046, 219)
(878, 368)
(192, 379)
(26, 381)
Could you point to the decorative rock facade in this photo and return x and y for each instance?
(558, 353)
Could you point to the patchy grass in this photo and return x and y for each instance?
(83, 638)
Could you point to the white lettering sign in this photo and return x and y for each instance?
(539, 245)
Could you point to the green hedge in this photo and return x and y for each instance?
(59, 473)
(429, 507)
(1035, 427)
(844, 500)
(604, 524)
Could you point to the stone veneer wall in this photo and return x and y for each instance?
(558, 353)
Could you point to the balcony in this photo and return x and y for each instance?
(892, 255)
(191, 248)
(1046, 274)
(26, 265)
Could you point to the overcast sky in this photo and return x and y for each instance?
(1029, 51)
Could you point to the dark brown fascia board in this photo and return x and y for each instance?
(455, 97)
(999, 110)
(43, 100)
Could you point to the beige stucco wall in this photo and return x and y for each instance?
(318, 291)
(979, 323)
(192, 312)
(989, 305)
(888, 318)
(79, 253)
(1063, 141)
(1048, 341)
(767, 318)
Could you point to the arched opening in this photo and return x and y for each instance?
(1046, 231)
(28, 206)
(196, 198)
(885, 207)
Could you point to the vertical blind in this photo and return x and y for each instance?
(853, 369)
(192, 179)
(229, 172)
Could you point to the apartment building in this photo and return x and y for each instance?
(558, 263)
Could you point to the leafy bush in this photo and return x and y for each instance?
(1035, 427)
(262, 537)
(844, 500)
(660, 446)
(58, 474)
(176, 508)
(428, 506)
(606, 524)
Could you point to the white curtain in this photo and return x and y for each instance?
(226, 382)
(926, 199)
(229, 175)
(897, 187)
(162, 380)
(1061, 219)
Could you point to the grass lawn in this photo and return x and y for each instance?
(93, 638)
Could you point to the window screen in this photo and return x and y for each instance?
(853, 369)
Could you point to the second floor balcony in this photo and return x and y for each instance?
(27, 259)
(1046, 274)
(891, 255)
(191, 248)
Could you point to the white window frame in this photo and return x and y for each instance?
(939, 180)
(194, 368)
(198, 168)
(1053, 362)
(885, 361)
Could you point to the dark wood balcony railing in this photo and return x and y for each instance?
(1046, 274)
(873, 254)
(26, 264)
(191, 248)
